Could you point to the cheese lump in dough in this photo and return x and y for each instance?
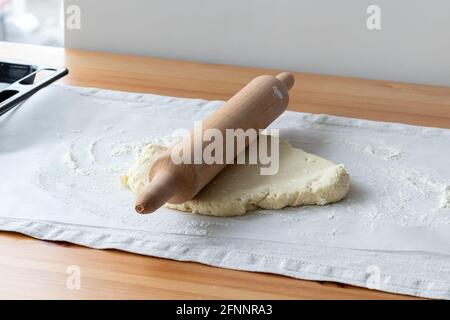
(302, 179)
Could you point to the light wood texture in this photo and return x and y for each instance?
(254, 107)
(31, 268)
(35, 269)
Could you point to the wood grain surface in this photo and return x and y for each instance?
(32, 268)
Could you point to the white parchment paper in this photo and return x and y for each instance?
(62, 153)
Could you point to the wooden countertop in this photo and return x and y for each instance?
(32, 268)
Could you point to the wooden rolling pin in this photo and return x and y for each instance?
(257, 105)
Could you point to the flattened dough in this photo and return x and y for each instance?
(302, 179)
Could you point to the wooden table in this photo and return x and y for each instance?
(32, 268)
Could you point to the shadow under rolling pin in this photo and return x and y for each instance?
(257, 105)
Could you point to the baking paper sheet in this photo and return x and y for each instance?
(63, 151)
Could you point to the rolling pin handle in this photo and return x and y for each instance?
(156, 193)
(287, 78)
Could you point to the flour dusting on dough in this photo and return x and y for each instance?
(445, 201)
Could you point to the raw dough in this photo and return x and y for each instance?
(302, 179)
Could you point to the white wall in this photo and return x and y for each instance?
(322, 36)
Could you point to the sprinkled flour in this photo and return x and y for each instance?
(376, 149)
(70, 161)
(87, 171)
(445, 198)
(101, 149)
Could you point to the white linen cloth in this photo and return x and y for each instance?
(63, 150)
